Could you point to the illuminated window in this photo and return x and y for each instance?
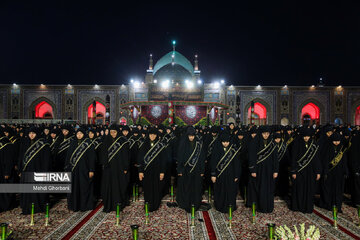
(99, 111)
(357, 116)
(310, 114)
(260, 114)
(43, 110)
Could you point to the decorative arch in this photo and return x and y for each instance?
(311, 111)
(262, 112)
(357, 116)
(42, 108)
(354, 113)
(87, 109)
(310, 114)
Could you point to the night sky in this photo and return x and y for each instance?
(61, 42)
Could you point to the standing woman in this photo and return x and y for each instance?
(96, 141)
(264, 169)
(115, 160)
(332, 182)
(152, 166)
(225, 172)
(80, 160)
(34, 156)
(191, 168)
(6, 171)
(305, 172)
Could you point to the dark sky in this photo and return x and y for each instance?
(60, 42)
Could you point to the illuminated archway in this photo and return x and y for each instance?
(44, 110)
(357, 116)
(310, 114)
(260, 114)
(97, 116)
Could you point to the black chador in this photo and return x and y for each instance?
(225, 165)
(97, 142)
(239, 140)
(34, 156)
(80, 160)
(15, 140)
(305, 170)
(249, 139)
(116, 161)
(54, 141)
(152, 166)
(282, 183)
(264, 168)
(354, 168)
(6, 172)
(61, 152)
(332, 182)
(134, 142)
(168, 141)
(209, 143)
(191, 167)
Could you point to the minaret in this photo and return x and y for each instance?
(151, 63)
(174, 44)
(196, 65)
(196, 68)
(173, 54)
(149, 72)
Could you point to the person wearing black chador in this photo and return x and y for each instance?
(354, 168)
(152, 167)
(225, 166)
(305, 171)
(34, 156)
(80, 160)
(6, 171)
(63, 147)
(332, 182)
(282, 182)
(264, 169)
(97, 142)
(190, 168)
(116, 163)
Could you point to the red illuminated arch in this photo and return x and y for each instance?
(99, 114)
(43, 110)
(260, 114)
(311, 112)
(357, 116)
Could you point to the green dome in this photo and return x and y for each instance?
(178, 59)
(173, 72)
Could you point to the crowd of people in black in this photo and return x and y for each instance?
(294, 163)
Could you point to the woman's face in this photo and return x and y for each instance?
(152, 137)
(79, 135)
(225, 144)
(191, 138)
(91, 135)
(265, 135)
(113, 133)
(32, 135)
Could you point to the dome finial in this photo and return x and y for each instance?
(174, 44)
(150, 63)
(196, 64)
